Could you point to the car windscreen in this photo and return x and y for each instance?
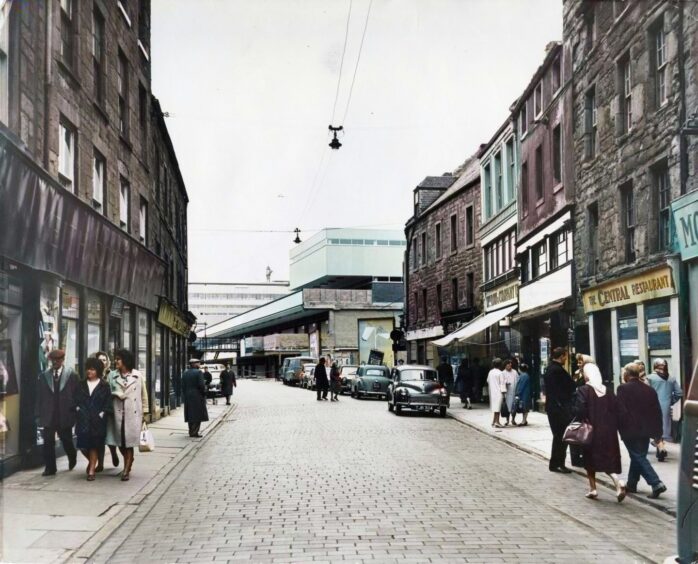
(416, 374)
(348, 370)
(375, 372)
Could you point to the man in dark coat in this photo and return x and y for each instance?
(194, 394)
(322, 383)
(464, 383)
(639, 420)
(55, 401)
(445, 371)
(228, 382)
(208, 378)
(559, 398)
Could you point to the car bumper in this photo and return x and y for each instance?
(422, 403)
(372, 393)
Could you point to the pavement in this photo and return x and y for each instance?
(65, 517)
(536, 439)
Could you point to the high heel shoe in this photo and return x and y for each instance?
(620, 491)
(591, 494)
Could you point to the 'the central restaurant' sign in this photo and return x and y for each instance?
(636, 289)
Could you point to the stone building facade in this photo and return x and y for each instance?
(443, 270)
(628, 84)
(92, 234)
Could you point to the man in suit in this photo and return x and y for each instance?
(54, 409)
(559, 395)
(194, 394)
(228, 382)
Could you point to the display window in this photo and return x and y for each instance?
(628, 342)
(10, 363)
(143, 334)
(70, 315)
(127, 325)
(94, 323)
(157, 367)
(48, 325)
(658, 324)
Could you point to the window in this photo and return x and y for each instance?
(470, 289)
(498, 187)
(538, 100)
(561, 250)
(415, 260)
(524, 188)
(590, 123)
(523, 119)
(122, 87)
(540, 259)
(525, 267)
(469, 226)
(512, 170)
(124, 211)
(628, 218)
(556, 74)
(144, 23)
(590, 28)
(424, 303)
(557, 155)
(416, 306)
(454, 233)
(99, 180)
(98, 55)
(5, 6)
(593, 238)
(660, 64)
(143, 119)
(488, 272)
(625, 108)
(663, 190)
(143, 221)
(439, 303)
(539, 173)
(438, 240)
(68, 33)
(488, 191)
(67, 155)
(454, 294)
(424, 249)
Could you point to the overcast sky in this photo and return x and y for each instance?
(250, 87)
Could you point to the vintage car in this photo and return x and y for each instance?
(293, 373)
(347, 372)
(417, 387)
(372, 381)
(308, 381)
(213, 390)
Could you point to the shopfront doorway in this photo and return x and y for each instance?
(603, 345)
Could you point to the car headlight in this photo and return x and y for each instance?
(443, 391)
(402, 392)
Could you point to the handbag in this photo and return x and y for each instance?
(578, 433)
(147, 441)
(676, 410)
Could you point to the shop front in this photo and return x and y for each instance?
(635, 317)
(419, 347)
(169, 343)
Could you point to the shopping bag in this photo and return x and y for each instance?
(676, 411)
(147, 442)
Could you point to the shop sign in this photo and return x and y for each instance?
(502, 296)
(117, 308)
(169, 316)
(636, 289)
(685, 212)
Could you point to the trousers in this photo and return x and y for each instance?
(49, 449)
(640, 466)
(194, 428)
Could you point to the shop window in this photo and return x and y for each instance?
(158, 369)
(628, 334)
(143, 336)
(94, 323)
(70, 314)
(658, 324)
(127, 327)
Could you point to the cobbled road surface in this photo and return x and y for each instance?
(289, 479)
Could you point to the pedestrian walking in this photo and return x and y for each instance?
(335, 382)
(522, 396)
(511, 377)
(104, 359)
(130, 405)
(321, 382)
(639, 421)
(596, 404)
(479, 379)
(495, 382)
(93, 402)
(445, 371)
(208, 378)
(194, 394)
(668, 392)
(559, 395)
(228, 382)
(54, 408)
(464, 383)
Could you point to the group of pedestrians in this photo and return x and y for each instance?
(509, 387)
(325, 383)
(635, 412)
(107, 407)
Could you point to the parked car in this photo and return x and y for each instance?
(293, 375)
(214, 389)
(371, 380)
(417, 387)
(282, 369)
(308, 381)
(347, 372)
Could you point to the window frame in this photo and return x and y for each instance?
(538, 100)
(454, 232)
(99, 187)
(437, 240)
(556, 145)
(122, 77)
(662, 187)
(67, 151)
(469, 225)
(660, 63)
(590, 123)
(424, 248)
(98, 59)
(68, 16)
(498, 180)
(629, 220)
(124, 205)
(143, 220)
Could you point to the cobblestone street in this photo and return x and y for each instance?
(286, 478)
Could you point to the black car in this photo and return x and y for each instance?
(417, 387)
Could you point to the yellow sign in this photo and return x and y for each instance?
(647, 286)
(502, 296)
(169, 316)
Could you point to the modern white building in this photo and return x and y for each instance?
(212, 303)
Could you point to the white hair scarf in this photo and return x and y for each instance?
(593, 377)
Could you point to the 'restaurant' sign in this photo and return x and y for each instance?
(685, 211)
(502, 296)
(169, 316)
(647, 286)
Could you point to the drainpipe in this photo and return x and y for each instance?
(406, 285)
(48, 81)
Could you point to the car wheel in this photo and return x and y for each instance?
(398, 410)
(359, 395)
(390, 406)
(442, 411)
(353, 394)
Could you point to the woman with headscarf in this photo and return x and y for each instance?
(596, 404)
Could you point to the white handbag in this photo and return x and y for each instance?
(676, 410)
(147, 441)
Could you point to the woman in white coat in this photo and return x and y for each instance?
(511, 377)
(495, 382)
(130, 396)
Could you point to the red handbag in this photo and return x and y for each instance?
(578, 433)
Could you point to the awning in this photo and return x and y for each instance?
(476, 326)
(546, 309)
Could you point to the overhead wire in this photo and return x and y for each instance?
(358, 59)
(341, 62)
